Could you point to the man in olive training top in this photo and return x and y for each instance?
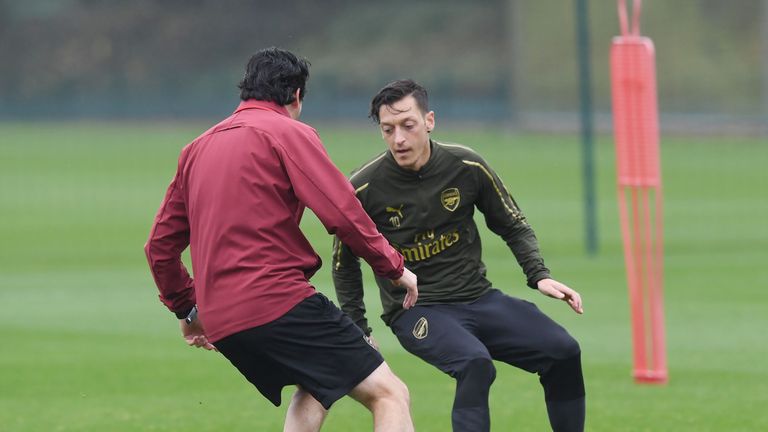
(422, 195)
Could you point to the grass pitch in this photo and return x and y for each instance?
(86, 346)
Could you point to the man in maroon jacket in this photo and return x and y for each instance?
(236, 201)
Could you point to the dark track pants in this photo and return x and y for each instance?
(463, 339)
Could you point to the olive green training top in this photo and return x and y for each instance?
(428, 217)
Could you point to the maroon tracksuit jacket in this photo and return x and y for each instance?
(236, 201)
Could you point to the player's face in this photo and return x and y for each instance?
(406, 131)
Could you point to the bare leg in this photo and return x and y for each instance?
(305, 413)
(387, 398)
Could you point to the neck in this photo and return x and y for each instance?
(424, 159)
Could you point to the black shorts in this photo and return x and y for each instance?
(314, 345)
(493, 327)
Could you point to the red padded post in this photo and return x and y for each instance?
(636, 131)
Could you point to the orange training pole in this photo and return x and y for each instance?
(636, 130)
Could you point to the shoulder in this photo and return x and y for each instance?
(281, 126)
(270, 124)
(367, 172)
(461, 154)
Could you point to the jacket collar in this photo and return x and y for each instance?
(262, 105)
(425, 170)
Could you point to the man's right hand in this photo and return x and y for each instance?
(194, 334)
(408, 280)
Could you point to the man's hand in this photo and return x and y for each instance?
(194, 334)
(555, 289)
(408, 280)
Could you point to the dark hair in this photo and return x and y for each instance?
(274, 74)
(396, 91)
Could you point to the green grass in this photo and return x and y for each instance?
(86, 346)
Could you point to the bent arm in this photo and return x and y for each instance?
(504, 217)
(325, 190)
(167, 239)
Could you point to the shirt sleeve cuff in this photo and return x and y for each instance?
(183, 314)
(363, 324)
(532, 281)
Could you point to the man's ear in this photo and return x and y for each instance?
(294, 108)
(296, 100)
(429, 120)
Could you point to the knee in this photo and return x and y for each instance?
(399, 391)
(474, 383)
(565, 347)
(393, 390)
(479, 371)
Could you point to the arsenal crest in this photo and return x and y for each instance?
(450, 199)
(421, 328)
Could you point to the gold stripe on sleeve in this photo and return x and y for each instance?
(367, 165)
(338, 253)
(513, 211)
(360, 189)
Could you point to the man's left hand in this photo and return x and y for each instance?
(555, 289)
